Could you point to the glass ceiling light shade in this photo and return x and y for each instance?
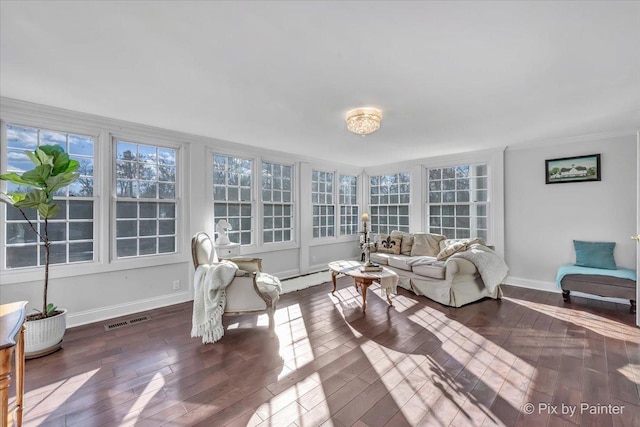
(364, 120)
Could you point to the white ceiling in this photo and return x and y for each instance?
(449, 76)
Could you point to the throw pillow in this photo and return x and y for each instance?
(389, 244)
(468, 242)
(451, 249)
(595, 254)
(406, 241)
(426, 244)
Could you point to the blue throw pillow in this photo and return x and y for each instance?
(595, 254)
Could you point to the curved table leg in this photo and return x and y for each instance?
(364, 285)
(334, 274)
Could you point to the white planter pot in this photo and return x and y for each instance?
(44, 336)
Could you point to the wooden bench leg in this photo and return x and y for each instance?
(633, 307)
(566, 295)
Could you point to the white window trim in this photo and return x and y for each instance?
(494, 159)
(295, 229)
(257, 246)
(334, 204)
(180, 233)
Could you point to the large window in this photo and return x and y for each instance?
(71, 231)
(232, 189)
(389, 202)
(324, 210)
(146, 199)
(458, 201)
(348, 200)
(277, 202)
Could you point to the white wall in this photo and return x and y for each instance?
(543, 220)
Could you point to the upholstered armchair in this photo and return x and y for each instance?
(250, 291)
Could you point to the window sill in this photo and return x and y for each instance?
(10, 277)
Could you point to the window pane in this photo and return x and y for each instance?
(22, 256)
(80, 230)
(126, 228)
(79, 252)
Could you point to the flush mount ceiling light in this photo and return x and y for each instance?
(364, 120)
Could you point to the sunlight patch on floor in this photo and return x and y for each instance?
(628, 371)
(594, 322)
(55, 394)
(143, 400)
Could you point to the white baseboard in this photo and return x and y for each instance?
(104, 313)
(531, 284)
(288, 274)
(296, 285)
(551, 287)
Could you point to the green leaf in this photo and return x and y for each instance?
(36, 161)
(73, 166)
(32, 199)
(50, 309)
(48, 210)
(51, 150)
(45, 158)
(60, 163)
(37, 176)
(56, 182)
(17, 179)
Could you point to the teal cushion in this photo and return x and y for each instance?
(595, 254)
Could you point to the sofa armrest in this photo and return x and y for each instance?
(459, 266)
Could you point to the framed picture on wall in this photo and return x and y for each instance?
(573, 169)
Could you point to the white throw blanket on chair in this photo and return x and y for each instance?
(209, 299)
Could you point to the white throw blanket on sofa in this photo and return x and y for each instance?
(209, 299)
(491, 267)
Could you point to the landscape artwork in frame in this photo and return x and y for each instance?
(573, 169)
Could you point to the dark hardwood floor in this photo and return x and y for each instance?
(416, 363)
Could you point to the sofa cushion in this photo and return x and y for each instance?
(389, 244)
(451, 249)
(380, 258)
(406, 241)
(399, 261)
(436, 270)
(446, 242)
(426, 244)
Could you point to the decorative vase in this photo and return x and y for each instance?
(44, 336)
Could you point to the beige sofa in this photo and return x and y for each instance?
(454, 281)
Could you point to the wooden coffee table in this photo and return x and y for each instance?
(364, 279)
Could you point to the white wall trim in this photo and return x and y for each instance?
(533, 144)
(109, 312)
(531, 284)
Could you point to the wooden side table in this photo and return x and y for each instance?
(12, 317)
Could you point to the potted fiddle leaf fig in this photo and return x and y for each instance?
(53, 170)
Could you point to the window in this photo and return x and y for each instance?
(348, 199)
(324, 210)
(458, 201)
(277, 217)
(146, 200)
(389, 202)
(71, 231)
(232, 189)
